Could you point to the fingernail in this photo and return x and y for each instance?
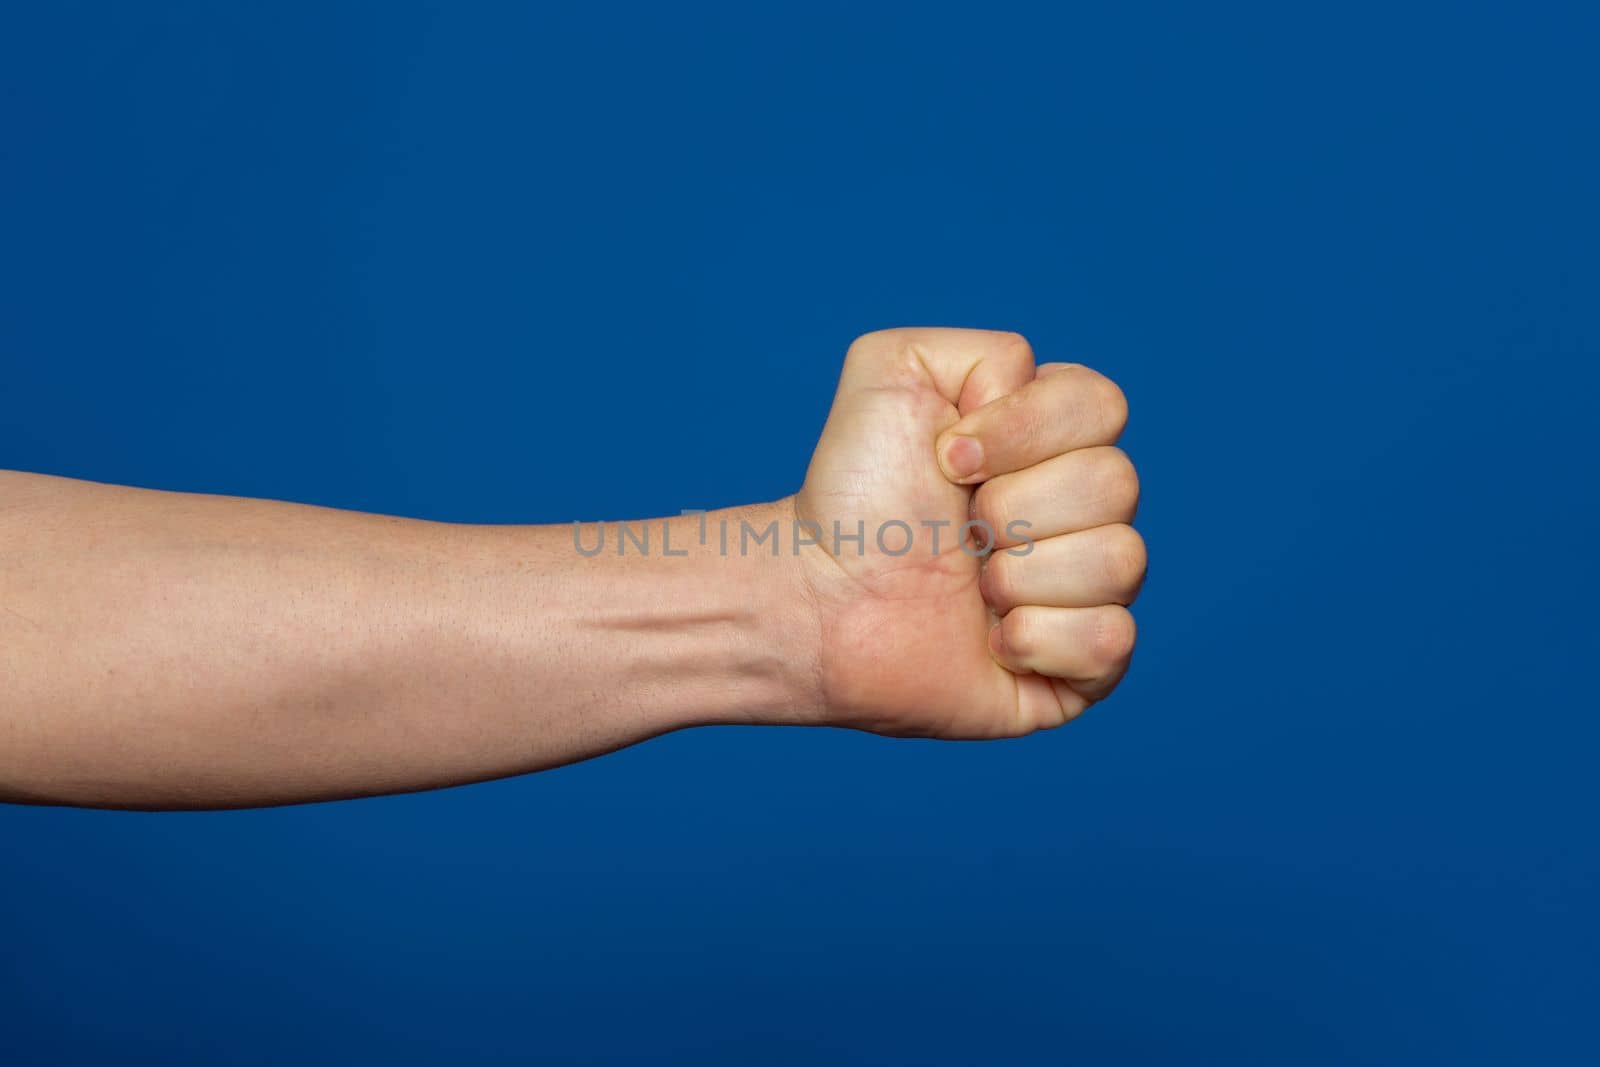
(997, 642)
(963, 457)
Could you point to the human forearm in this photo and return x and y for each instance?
(173, 650)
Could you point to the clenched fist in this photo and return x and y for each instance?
(973, 559)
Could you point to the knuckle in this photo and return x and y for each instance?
(895, 359)
(1114, 635)
(1111, 403)
(1116, 479)
(877, 340)
(1126, 557)
(1021, 633)
(1097, 401)
(879, 346)
(1014, 341)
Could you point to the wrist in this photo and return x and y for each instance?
(692, 620)
(750, 565)
(744, 570)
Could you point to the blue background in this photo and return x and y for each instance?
(496, 263)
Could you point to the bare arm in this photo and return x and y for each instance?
(175, 650)
(169, 650)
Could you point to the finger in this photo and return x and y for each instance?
(1076, 491)
(1104, 565)
(1087, 647)
(1065, 408)
(1045, 703)
(969, 368)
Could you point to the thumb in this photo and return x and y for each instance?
(1066, 407)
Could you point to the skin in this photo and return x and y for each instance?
(168, 650)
